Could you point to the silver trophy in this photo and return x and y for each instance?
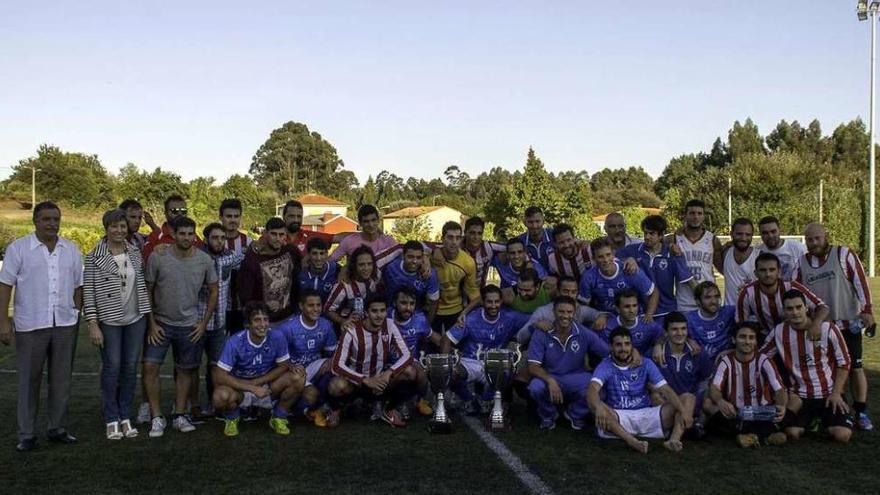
(500, 366)
(439, 369)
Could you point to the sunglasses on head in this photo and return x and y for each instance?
(182, 211)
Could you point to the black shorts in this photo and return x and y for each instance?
(815, 410)
(720, 425)
(442, 323)
(854, 344)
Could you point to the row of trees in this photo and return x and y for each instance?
(774, 174)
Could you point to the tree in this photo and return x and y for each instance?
(295, 160)
(150, 188)
(744, 139)
(411, 229)
(74, 178)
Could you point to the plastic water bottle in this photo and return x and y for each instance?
(757, 413)
(358, 306)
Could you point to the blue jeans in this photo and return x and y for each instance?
(120, 356)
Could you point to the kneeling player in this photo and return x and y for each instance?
(253, 371)
(416, 331)
(746, 378)
(628, 413)
(492, 327)
(557, 361)
(817, 365)
(310, 338)
(363, 364)
(684, 369)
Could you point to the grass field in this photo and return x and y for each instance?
(363, 458)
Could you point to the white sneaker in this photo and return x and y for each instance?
(143, 413)
(157, 428)
(182, 424)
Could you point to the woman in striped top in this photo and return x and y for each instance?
(115, 303)
(345, 305)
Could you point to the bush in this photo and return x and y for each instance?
(84, 238)
(7, 235)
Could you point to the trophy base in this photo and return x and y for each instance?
(440, 427)
(496, 426)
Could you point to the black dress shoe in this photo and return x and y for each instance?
(26, 445)
(63, 437)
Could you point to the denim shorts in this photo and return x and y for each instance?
(187, 355)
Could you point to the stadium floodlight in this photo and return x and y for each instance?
(864, 11)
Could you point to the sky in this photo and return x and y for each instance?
(413, 87)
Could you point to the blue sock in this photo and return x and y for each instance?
(278, 412)
(233, 414)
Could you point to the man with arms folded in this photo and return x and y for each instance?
(310, 340)
(627, 412)
(817, 364)
(746, 378)
(253, 370)
(365, 364)
(656, 259)
(557, 362)
(601, 283)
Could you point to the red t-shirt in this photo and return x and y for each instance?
(163, 236)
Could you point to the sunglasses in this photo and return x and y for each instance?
(181, 211)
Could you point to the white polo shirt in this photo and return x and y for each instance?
(44, 282)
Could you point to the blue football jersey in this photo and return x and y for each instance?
(394, 277)
(562, 358)
(414, 330)
(665, 270)
(541, 250)
(713, 335)
(600, 290)
(510, 276)
(642, 335)
(245, 359)
(686, 373)
(307, 344)
(627, 388)
(480, 333)
(322, 282)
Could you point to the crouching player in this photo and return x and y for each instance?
(746, 378)
(253, 371)
(310, 339)
(627, 412)
(557, 361)
(492, 327)
(416, 331)
(364, 365)
(685, 369)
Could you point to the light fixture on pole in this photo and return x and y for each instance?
(865, 11)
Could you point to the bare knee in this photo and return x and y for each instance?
(840, 434)
(339, 387)
(310, 394)
(794, 433)
(223, 399)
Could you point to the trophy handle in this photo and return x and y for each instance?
(457, 357)
(479, 353)
(518, 353)
(423, 359)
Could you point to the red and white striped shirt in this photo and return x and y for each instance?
(811, 365)
(855, 274)
(343, 293)
(561, 266)
(754, 305)
(362, 353)
(239, 243)
(747, 383)
(483, 255)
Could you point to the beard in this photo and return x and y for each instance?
(293, 228)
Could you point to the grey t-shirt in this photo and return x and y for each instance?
(177, 282)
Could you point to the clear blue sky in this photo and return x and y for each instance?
(196, 87)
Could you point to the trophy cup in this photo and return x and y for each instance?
(500, 365)
(439, 369)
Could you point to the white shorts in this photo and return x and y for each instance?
(645, 423)
(251, 400)
(312, 370)
(474, 368)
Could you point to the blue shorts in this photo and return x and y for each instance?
(187, 355)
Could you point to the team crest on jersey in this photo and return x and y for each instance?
(418, 285)
(689, 366)
(575, 346)
(633, 376)
(752, 389)
(710, 334)
(637, 335)
(663, 264)
(301, 246)
(621, 284)
(328, 286)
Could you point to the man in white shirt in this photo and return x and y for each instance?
(46, 272)
(789, 251)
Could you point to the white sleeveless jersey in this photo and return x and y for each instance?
(737, 276)
(698, 257)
